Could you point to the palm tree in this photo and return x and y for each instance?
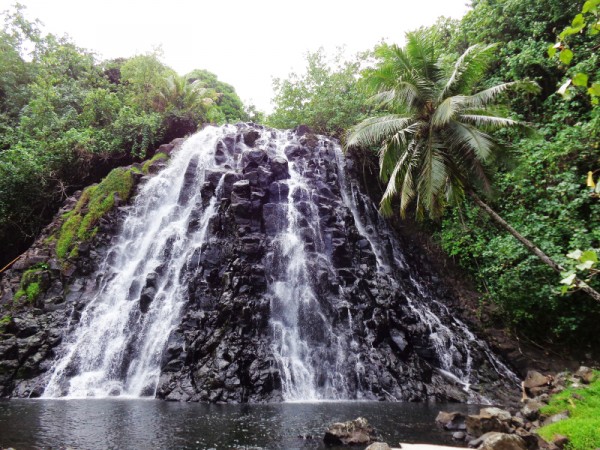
(184, 105)
(184, 97)
(434, 141)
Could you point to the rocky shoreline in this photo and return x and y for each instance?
(493, 428)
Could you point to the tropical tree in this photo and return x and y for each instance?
(326, 96)
(184, 105)
(435, 146)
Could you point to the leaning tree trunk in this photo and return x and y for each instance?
(531, 246)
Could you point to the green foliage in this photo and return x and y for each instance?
(228, 108)
(583, 426)
(588, 18)
(546, 199)
(62, 112)
(327, 96)
(145, 76)
(580, 264)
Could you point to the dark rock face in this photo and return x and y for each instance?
(371, 326)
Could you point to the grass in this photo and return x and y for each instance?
(583, 426)
(95, 201)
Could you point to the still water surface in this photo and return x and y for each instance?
(152, 424)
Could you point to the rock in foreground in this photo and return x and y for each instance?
(353, 432)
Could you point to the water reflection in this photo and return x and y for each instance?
(144, 424)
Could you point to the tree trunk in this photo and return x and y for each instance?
(531, 246)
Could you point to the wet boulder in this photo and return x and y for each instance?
(253, 158)
(451, 421)
(296, 151)
(535, 383)
(250, 137)
(353, 432)
(274, 218)
(585, 374)
(503, 441)
(488, 419)
(146, 298)
(279, 168)
(228, 182)
(531, 410)
(278, 191)
(240, 191)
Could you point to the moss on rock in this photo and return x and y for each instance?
(158, 157)
(96, 201)
(33, 282)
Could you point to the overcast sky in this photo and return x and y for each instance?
(246, 43)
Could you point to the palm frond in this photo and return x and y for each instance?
(468, 69)
(447, 110)
(489, 122)
(374, 130)
(465, 136)
(487, 96)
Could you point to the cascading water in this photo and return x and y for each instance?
(252, 268)
(118, 345)
(302, 333)
(446, 340)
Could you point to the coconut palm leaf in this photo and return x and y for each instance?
(374, 130)
(434, 140)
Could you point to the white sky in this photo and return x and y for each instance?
(245, 43)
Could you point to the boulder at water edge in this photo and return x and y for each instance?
(353, 432)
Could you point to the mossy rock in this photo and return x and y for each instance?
(94, 203)
(4, 321)
(158, 157)
(34, 282)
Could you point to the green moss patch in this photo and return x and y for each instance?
(4, 321)
(33, 282)
(157, 157)
(95, 201)
(583, 426)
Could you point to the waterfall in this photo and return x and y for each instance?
(117, 346)
(253, 268)
(302, 334)
(446, 339)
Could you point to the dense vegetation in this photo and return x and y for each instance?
(67, 118)
(539, 185)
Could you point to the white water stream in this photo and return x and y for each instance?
(116, 348)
